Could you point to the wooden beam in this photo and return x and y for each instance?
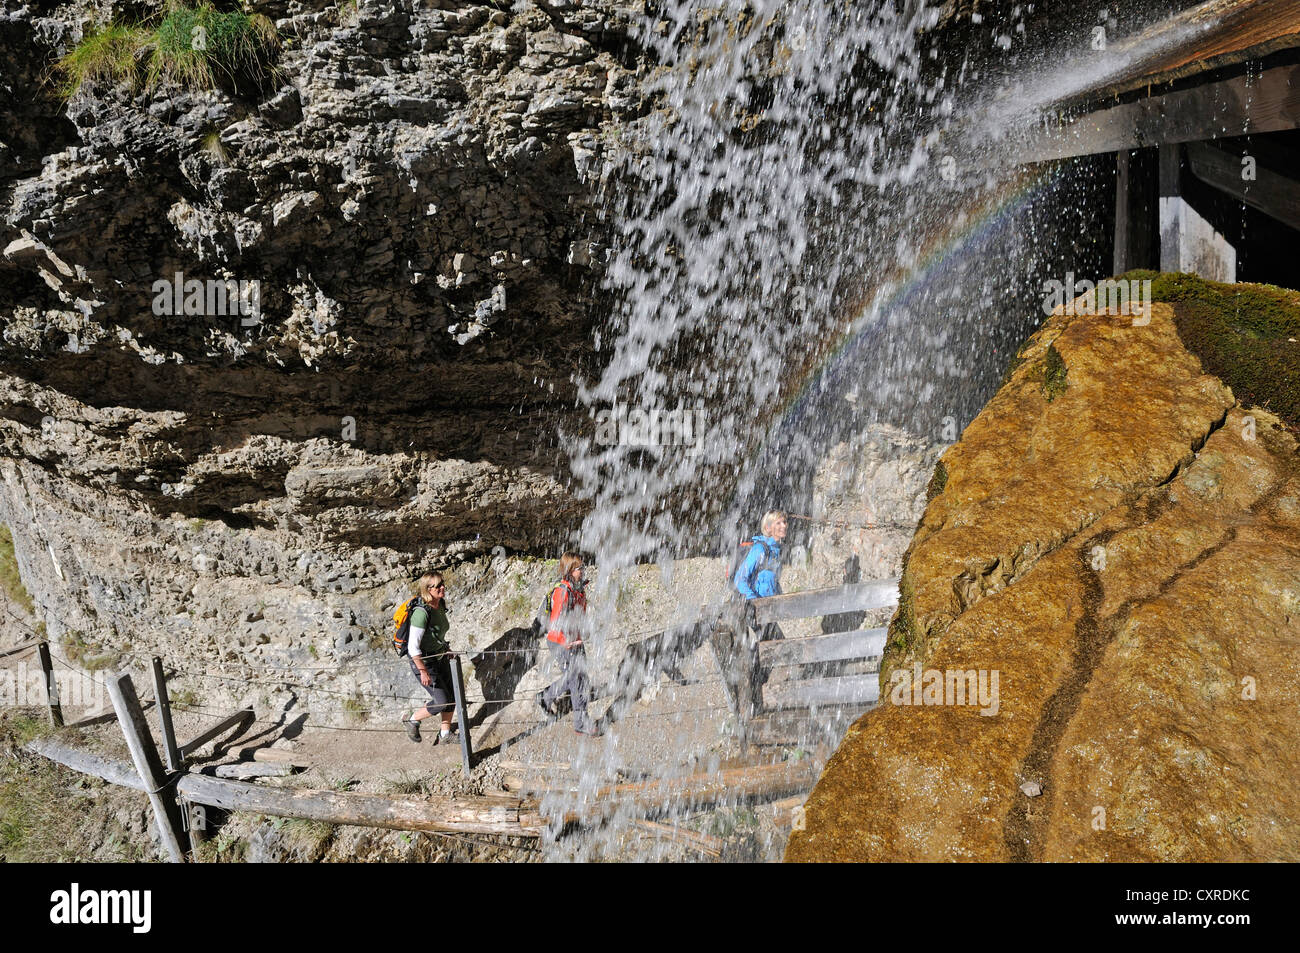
(842, 646)
(877, 594)
(1275, 195)
(1229, 107)
(801, 727)
(477, 815)
(697, 790)
(242, 718)
(704, 843)
(838, 690)
(274, 756)
(147, 765)
(112, 770)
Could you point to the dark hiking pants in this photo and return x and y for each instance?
(573, 680)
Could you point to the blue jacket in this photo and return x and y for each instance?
(760, 573)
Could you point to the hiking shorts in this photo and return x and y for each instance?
(439, 687)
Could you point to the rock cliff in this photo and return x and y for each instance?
(412, 199)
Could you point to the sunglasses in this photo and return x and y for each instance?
(441, 588)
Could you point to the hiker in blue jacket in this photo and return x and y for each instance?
(760, 572)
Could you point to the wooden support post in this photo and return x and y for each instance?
(1135, 210)
(196, 822)
(462, 716)
(165, 716)
(161, 794)
(737, 660)
(51, 686)
(1187, 241)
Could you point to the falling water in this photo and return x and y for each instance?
(819, 207)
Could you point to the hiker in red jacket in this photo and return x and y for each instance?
(564, 637)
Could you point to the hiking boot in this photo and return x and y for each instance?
(412, 729)
(446, 737)
(585, 726)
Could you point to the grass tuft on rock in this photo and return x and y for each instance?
(10, 579)
(1246, 335)
(196, 47)
(113, 53)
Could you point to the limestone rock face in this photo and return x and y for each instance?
(408, 218)
(1112, 550)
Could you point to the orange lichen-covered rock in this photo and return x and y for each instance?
(1110, 568)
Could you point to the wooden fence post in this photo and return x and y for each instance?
(51, 686)
(165, 715)
(161, 795)
(462, 716)
(196, 822)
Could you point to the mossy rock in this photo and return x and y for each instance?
(1247, 335)
(938, 480)
(1054, 374)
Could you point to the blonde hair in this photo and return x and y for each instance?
(425, 584)
(769, 520)
(568, 562)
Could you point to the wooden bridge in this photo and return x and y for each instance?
(828, 679)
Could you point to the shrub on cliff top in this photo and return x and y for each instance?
(196, 47)
(1247, 335)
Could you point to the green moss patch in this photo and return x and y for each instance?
(1054, 374)
(938, 480)
(1246, 335)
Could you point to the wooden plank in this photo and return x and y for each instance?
(242, 718)
(697, 790)
(802, 727)
(251, 769)
(1209, 111)
(704, 843)
(842, 646)
(147, 765)
(785, 811)
(274, 756)
(477, 815)
(877, 594)
(1273, 194)
(112, 770)
(839, 690)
